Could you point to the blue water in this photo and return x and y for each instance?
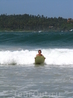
(20, 78)
(36, 39)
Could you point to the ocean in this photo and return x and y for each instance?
(21, 78)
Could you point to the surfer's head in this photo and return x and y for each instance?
(39, 51)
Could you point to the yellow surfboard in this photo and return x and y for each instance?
(39, 60)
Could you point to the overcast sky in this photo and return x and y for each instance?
(49, 8)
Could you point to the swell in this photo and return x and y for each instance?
(31, 38)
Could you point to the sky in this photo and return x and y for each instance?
(49, 8)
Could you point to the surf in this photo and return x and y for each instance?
(26, 57)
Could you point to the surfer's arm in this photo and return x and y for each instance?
(44, 57)
(40, 55)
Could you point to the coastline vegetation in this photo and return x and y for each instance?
(28, 22)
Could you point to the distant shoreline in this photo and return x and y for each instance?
(39, 31)
(29, 23)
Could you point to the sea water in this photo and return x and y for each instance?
(21, 78)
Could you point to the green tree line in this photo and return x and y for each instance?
(32, 22)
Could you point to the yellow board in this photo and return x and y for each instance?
(39, 60)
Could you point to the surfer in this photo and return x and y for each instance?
(39, 59)
(39, 54)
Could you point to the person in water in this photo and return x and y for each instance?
(39, 54)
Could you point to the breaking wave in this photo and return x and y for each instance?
(26, 57)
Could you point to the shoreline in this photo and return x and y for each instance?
(39, 31)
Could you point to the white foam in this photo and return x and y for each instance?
(26, 57)
(17, 57)
(59, 56)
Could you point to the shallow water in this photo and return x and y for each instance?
(36, 82)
